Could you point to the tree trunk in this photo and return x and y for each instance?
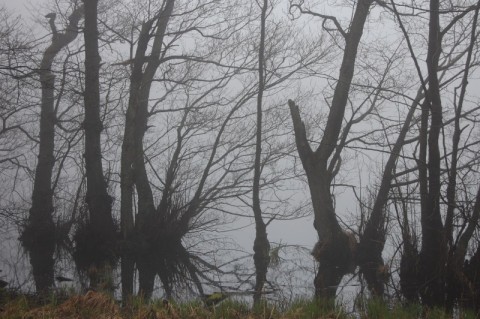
(127, 269)
(464, 276)
(335, 249)
(147, 270)
(471, 271)
(38, 237)
(433, 253)
(100, 226)
(261, 245)
(39, 234)
(133, 171)
(409, 271)
(372, 241)
(127, 172)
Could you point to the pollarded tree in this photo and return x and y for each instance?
(38, 237)
(457, 288)
(95, 241)
(437, 268)
(144, 67)
(372, 239)
(192, 115)
(335, 249)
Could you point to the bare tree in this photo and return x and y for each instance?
(434, 259)
(38, 237)
(457, 286)
(95, 240)
(335, 249)
(261, 246)
(132, 161)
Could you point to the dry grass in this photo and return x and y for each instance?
(90, 305)
(101, 306)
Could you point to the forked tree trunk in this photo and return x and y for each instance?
(372, 241)
(127, 173)
(432, 257)
(38, 237)
(335, 249)
(133, 171)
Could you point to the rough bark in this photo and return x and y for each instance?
(38, 237)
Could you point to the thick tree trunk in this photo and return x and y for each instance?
(146, 226)
(133, 171)
(129, 146)
(99, 244)
(147, 270)
(335, 249)
(409, 271)
(39, 234)
(38, 237)
(127, 269)
(433, 253)
(127, 171)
